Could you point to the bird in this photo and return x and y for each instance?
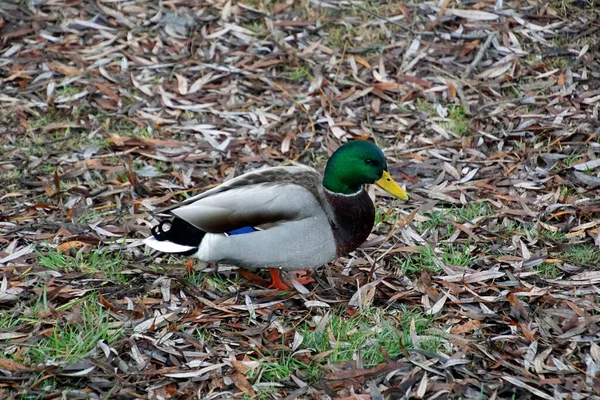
(286, 218)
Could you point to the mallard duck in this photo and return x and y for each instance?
(281, 218)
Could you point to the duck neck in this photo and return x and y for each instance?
(336, 182)
(351, 219)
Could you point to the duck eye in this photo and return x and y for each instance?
(368, 161)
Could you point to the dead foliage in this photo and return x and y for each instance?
(487, 280)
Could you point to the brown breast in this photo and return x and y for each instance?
(353, 220)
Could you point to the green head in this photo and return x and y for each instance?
(358, 163)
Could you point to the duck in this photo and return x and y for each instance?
(285, 218)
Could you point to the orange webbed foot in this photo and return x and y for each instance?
(302, 276)
(277, 282)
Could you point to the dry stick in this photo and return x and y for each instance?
(443, 8)
(479, 55)
(337, 72)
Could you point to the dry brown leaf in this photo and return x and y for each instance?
(242, 383)
(468, 326)
(11, 365)
(73, 244)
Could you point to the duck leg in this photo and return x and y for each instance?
(277, 282)
(302, 277)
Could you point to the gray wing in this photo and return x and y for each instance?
(299, 235)
(266, 197)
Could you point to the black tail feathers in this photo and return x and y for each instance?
(180, 232)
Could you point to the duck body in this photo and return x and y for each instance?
(280, 217)
(289, 218)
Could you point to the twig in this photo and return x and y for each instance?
(479, 55)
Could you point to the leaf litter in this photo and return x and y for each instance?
(487, 280)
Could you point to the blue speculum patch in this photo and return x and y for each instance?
(240, 231)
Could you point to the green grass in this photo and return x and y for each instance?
(473, 210)
(146, 132)
(424, 106)
(457, 120)
(381, 215)
(366, 333)
(511, 227)
(277, 369)
(69, 90)
(74, 338)
(47, 385)
(8, 319)
(547, 270)
(11, 176)
(258, 27)
(36, 142)
(196, 278)
(428, 258)
(556, 236)
(97, 261)
(572, 159)
(457, 254)
(70, 332)
(299, 74)
(336, 36)
(223, 283)
(444, 217)
(585, 256)
(387, 215)
(93, 216)
(415, 263)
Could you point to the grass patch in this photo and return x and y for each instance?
(572, 159)
(429, 258)
(222, 283)
(547, 270)
(277, 369)
(68, 90)
(555, 236)
(585, 256)
(337, 36)
(94, 262)
(48, 385)
(299, 74)
(366, 334)
(258, 27)
(11, 176)
(457, 120)
(445, 217)
(387, 215)
(38, 143)
(424, 106)
(424, 260)
(511, 227)
(8, 319)
(74, 336)
(559, 63)
(93, 215)
(196, 278)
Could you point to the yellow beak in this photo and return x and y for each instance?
(387, 183)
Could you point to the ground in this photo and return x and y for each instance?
(484, 285)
